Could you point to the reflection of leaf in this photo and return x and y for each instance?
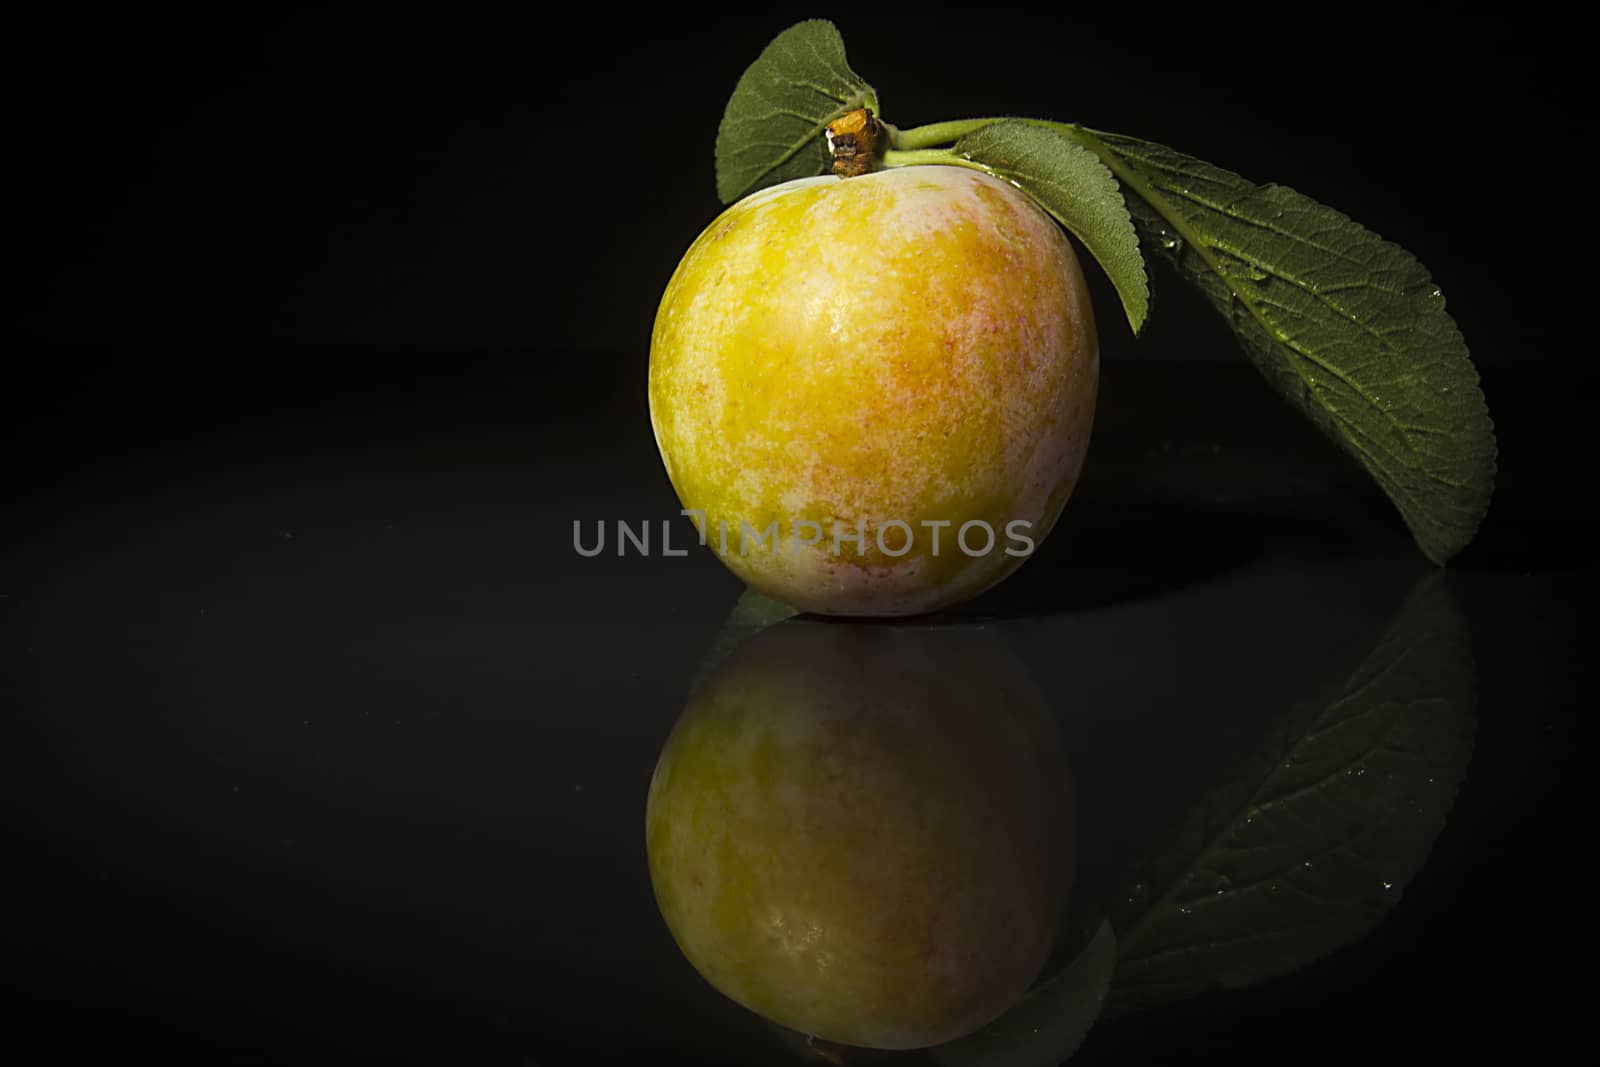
(772, 130)
(1311, 839)
(752, 614)
(1047, 1025)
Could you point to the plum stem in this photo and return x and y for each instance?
(826, 1050)
(931, 157)
(856, 140)
(935, 133)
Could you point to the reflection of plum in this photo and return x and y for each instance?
(862, 833)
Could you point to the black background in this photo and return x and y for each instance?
(448, 181)
(407, 252)
(285, 224)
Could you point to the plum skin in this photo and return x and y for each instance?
(865, 834)
(915, 344)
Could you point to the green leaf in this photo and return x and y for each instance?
(1310, 839)
(772, 129)
(1078, 189)
(1046, 1026)
(751, 614)
(1348, 327)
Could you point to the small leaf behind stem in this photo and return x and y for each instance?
(772, 128)
(1079, 190)
(751, 614)
(1045, 1027)
(1348, 327)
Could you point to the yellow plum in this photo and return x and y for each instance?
(875, 393)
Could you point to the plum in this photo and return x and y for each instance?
(875, 393)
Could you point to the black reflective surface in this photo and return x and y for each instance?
(325, 746)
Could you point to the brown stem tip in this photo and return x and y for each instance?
(856, 140)
(827, 1050)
